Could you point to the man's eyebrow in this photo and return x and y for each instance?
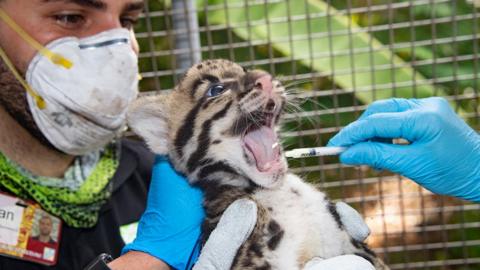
(136, 6)
(96, 4)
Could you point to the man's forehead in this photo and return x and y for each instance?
(101, 4)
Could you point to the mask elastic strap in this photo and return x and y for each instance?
(55, 58)
(38, 99)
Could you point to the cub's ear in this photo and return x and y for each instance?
(148, 118)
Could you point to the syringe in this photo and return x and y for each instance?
(314, 152)
(332, 150)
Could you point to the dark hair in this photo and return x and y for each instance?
(44, 216)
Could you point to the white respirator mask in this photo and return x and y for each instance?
(86, 105)
(80, 89)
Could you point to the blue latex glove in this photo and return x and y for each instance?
(444, 154)
(171, 225)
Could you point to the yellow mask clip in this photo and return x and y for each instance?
(55, 58)
(38, 99)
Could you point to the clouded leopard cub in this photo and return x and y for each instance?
(218, 127)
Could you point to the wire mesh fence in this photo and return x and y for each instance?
(336, 58)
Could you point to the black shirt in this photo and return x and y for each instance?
(78, 247)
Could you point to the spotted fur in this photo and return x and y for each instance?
(204, 136)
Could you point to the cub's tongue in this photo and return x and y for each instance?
(263, 144)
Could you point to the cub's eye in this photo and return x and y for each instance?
(215, 90)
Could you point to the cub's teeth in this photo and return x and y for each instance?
(274, 145)
(267, 166)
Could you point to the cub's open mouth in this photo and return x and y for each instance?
(261, 142)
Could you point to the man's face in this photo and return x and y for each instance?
(45, 226)
(48, 20)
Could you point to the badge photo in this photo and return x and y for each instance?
(27, 232)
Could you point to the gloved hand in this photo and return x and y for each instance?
(354, 223)
(344, 262)
(358, 229)
(444, 154)
(238, 221)
(170, 228)
(171, 224)
(234, 227)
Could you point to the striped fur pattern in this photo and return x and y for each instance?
(208, 126)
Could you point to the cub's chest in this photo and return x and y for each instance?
(302, 212)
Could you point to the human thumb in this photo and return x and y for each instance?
(234, 227)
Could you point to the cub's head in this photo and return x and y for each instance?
(218, 124)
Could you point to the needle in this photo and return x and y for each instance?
(314, 152)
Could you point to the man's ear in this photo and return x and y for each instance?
(148, 118)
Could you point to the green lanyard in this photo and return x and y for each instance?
(79, 208)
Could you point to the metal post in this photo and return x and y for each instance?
(187, 38)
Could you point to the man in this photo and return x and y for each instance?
(67, 75)
(42, 245)
(92, 208)
(45, 227)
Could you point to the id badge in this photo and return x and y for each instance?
(27, 232)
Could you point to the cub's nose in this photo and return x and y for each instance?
(265, 83)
